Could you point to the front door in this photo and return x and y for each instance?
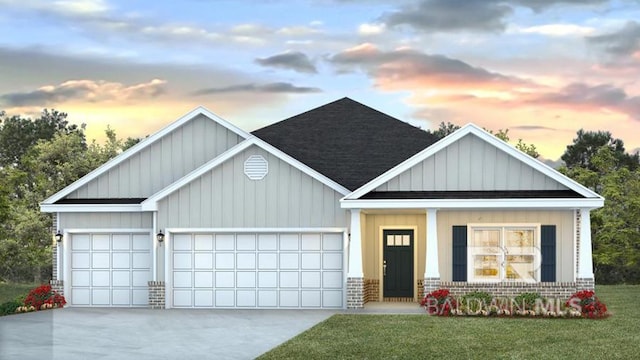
(397, 263)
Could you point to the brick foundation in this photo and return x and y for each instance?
(585, 284)
(156, 295)
(355, 293)
(371, 290)
(430, 284)
(420, 289)
(57, 286)
(545, 289)
(54, 261)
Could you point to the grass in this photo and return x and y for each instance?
(9, 291)
(352, 336)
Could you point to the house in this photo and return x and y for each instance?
(331, 208)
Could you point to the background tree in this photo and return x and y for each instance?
(587, 144)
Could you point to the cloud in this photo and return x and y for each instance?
(586, 97)
(451, 15)
(296, 61)
(275, 87)
(371, 29)
(407, 68)
(468, 15)
(557, 30)
(623, 42)
(532, 127)
(84, 90)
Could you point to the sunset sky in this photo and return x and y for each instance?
(543, 71)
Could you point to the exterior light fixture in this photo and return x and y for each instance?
(59, 236)
(160, 236)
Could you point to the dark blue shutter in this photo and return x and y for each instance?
(548, 250)
(459, 253)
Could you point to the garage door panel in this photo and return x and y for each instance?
(225, 298)
(120, 260)
(121, 297)
(100, 278)
(101, 297)
(246, 261)
(246, 298)
(203, 279)
(225, 279)
(203, 242)
(181, 242)
(289, 270)
(100, 260)
(121, 242)
(289, 298)
(203, 298)
(110, 269)
(225, 261)
(267, 298)
(311, 279)
(121, 278)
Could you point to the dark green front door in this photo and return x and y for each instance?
(398, 263)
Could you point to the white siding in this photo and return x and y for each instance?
(226, 197)
(163, 162)
(563, 220)
(470, 164)
(128, 220)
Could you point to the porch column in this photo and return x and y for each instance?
(584, 278)
(355, 275)
(432, 265)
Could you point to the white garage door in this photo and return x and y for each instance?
(257, 270)
(110, 269)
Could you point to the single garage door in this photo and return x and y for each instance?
(242, 270)
(110, 269)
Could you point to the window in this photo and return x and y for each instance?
(504, 252)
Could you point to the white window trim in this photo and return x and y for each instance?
(502, 261)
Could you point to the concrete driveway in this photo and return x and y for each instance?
(79, 333)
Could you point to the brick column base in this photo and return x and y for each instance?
(430, 284)
(156, 295)
(57, 286)
(585, 284)
(355, 293)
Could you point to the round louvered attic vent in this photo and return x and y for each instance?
(256, 167)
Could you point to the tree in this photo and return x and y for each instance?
(445, 129)
(587, 143)
(528, 149)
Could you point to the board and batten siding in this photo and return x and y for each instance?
(562, 219)
(226, 197)
(163, 162)
(100, 220)
(470, 164)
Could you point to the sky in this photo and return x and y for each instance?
(541, 68)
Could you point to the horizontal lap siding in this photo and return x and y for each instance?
(106, 220)
(563, 220)
(226, 197)
(163, 162)
(470, 164)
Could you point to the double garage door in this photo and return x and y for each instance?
(110, 269)
(256, 270)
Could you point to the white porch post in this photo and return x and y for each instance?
(355, 275)
(584, 277)
(432, 265)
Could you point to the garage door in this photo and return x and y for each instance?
(110, 269)
(243, 270)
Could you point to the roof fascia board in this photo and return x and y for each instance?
(484, 135)
(200, 110)
(570, 203)
(51, 208)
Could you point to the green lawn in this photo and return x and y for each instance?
(10, 291)
(352, 336)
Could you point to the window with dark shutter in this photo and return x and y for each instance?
(548, 250)
(459, 253)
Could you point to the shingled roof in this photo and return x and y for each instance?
(347, 141)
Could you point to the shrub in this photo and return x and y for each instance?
(588, 304)
(476, 301)
(439, 302)
(9, 307)
(43, 297)
(527, 300)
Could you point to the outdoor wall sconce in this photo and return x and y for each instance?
(59, 236)
(160, 236)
